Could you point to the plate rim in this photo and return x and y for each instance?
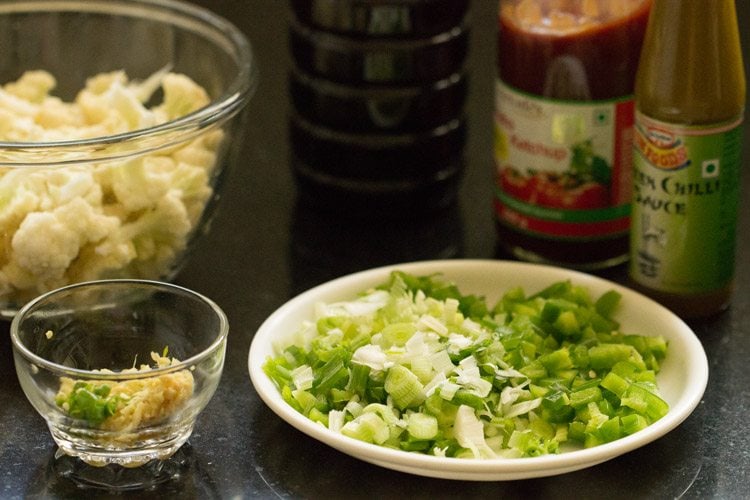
(473, 468)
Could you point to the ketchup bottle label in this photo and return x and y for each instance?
(563, 167)
(686, 195)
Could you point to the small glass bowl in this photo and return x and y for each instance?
(114, 202)
(119, 369)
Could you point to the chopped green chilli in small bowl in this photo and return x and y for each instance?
(415, 363)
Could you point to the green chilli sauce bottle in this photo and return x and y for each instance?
(690, 100)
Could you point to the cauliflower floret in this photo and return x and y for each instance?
(11, 103)
(133, 113)
(163, 227)
(114, 105)
(33, 86)
(45, 247)
(181, 96)
(16, 118)
(139, 183)
(196, 154)
(29, 114)
(109, 108)
(146, 246)
(62, 186)
(107, 259)
(20, 194)
(23, 192)
(194, 183)
(47, 242)
(57, 116)
(201, 151)
(159, 235)
(7, 123)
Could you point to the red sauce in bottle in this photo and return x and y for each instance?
(564, 122)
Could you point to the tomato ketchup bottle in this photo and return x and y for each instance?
(564, 113)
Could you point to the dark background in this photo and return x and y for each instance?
(264, 248)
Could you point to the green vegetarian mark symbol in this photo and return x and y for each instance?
(710, 169)
(602, 117)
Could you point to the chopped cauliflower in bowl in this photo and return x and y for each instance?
(128, 217)
(113, 173)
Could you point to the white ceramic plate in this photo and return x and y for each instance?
(682, 379)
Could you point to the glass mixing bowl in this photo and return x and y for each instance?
(118, 120)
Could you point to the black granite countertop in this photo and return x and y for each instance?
(264, 248)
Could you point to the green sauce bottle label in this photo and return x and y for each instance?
(686, 182)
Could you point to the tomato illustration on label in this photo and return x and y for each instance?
(584, 185)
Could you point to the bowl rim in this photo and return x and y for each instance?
(40, 362)
(177, 13)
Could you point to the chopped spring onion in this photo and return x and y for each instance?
(418, 366)
(89, 402)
